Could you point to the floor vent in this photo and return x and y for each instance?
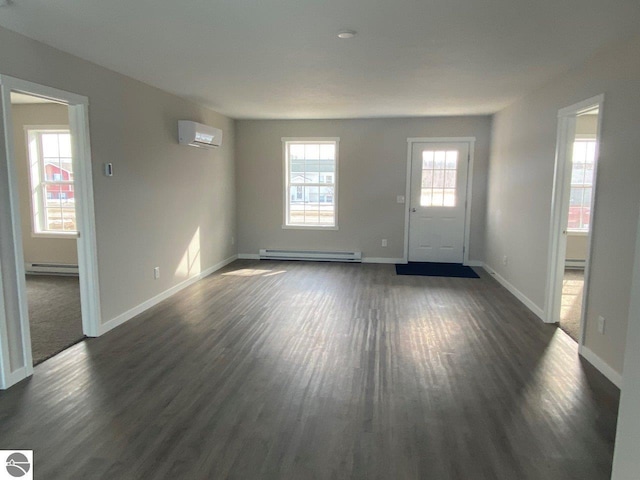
(52, 268)
(310, 255)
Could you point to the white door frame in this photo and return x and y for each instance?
(560, 211)
(16, 362)
(467, 217)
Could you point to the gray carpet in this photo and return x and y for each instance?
(54, 314)
(571, 307)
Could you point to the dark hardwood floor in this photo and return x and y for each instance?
(290, 370)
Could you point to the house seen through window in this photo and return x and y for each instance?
(310, 182)
(584, 152)
(51, 173)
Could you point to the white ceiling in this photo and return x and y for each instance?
(282, 58)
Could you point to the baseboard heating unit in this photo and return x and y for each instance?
(51, 268)
(310, 255)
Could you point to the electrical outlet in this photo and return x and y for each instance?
(156, 273)
(505, 260)
(601, 322)
(384, 242)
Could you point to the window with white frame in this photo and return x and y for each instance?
(583, 160)
(311, 167)
(53, 205)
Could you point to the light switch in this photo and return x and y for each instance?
(108, 169)
(400, 199)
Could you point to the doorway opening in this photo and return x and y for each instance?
(48, 273)
(438, 192)
(44, 168)
(572, 215)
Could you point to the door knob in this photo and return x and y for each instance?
(413, 210)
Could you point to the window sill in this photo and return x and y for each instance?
(577, 233)
(68, 235)
(308, 227)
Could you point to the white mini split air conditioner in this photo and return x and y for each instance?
(198, 135)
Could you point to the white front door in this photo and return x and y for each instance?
(438, 201)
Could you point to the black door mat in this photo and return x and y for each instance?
(431, 269)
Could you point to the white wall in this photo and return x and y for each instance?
(576, 246)
(626, 462)
(38, 249)
(520, 187)
(372, 172)
(166, 205)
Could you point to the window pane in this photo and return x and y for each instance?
(577, 174)
(438, 198)
(312, 171)
(328, 151)
(64, 140)
(295, 195)
(588, 174)
(579, 152)
(312, 151)
(327, 167)
(591, 152)
(450, 179)
(452, 160)
(574, 217)
(438, 179)
(54, 207)
(66, 163)
(426, 198)
(427, 178)
(296, 150)
(312, 209)
(296, 171)
(60, 212)
(576, 197)
(427, 159)
(311, 163)
(450, 197)
(50, 145)
(586, 217)
(326, 195)
(53, 220)
(52, 171)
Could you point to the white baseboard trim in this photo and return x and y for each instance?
(381, 260)
(601, 365)
(474, 263)
(129, 314)
(539, 312)
(248, 256)
(579, 264)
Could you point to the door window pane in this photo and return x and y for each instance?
(439, 176)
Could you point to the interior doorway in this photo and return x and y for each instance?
(45, 183)
(59, 204)
(572, 216)
(438, 189)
